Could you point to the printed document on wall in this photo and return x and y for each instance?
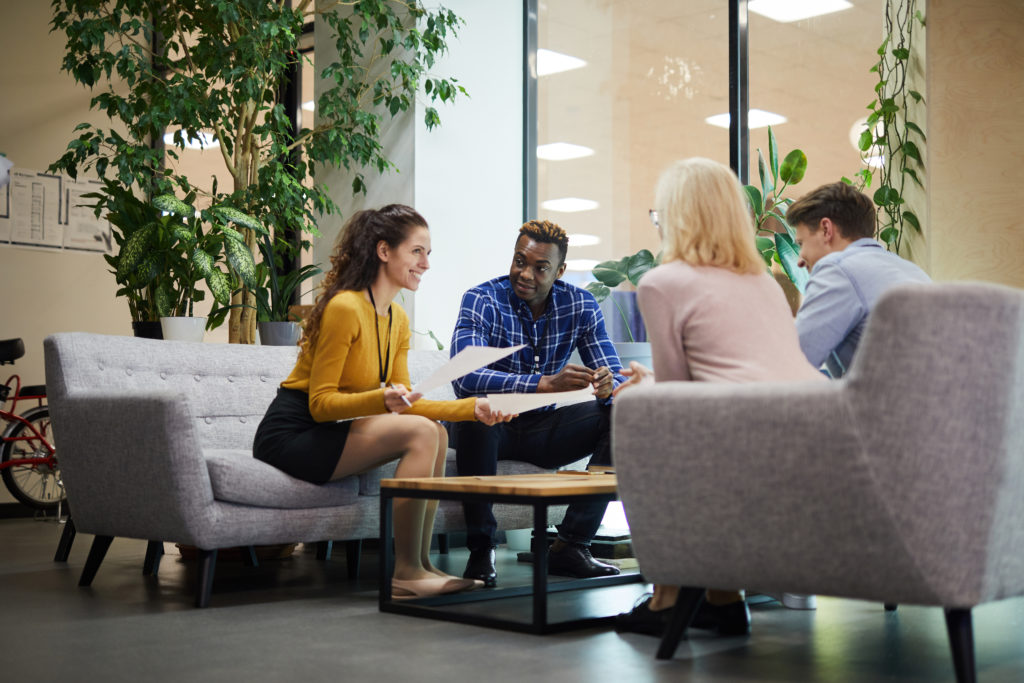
(82, 228)
(35, 208)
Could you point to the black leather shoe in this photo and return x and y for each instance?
(732, 619)
(642, 620)
(574, 559)
(481, 567)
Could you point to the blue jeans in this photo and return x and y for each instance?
(547, 439)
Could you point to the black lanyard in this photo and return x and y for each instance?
(382, 365)
(535, 344)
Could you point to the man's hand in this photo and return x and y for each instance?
(482, 411)
(604, 382)
(637, 374)
(571, 377)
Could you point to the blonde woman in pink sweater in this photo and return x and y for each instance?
(713, 314)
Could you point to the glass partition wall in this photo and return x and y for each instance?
(625, 87)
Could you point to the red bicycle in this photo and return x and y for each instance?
(28, 459)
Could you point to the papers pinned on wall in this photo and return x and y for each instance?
(44, 210)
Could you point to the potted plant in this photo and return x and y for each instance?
(632, 344)
(216, 71)
(276, 291)
(176, 252)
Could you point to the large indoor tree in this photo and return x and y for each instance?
(201, 68)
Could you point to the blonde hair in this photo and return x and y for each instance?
(704, 217)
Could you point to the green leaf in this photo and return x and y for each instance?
(762, 171)
(233, 234)
(911, 217)
(164, 299)
(913, 174)
(756, 202)
(638, 264)
(204, 262)
(916, 95)
(881, 48)
(599, 291)
(911, 151)
(171, 204)
(182, 233)
(793, 167)
(886, 196)
(242, 262)
(219, 287)
(134, 250)
(766, 246)
(901, 53)
(233, 215)
(789, 256)
(889, 235)
(865, 140)
(610, 273)
(914, 127)
(773, 156)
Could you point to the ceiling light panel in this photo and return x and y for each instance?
(756, 118)
(551, 62)
(569, 204)
(786, 11)
(562, 151)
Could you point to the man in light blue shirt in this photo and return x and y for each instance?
(835, 227)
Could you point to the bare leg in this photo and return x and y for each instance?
(664, 597)
(382, 438)
(431, 508)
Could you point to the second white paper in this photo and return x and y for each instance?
(520, 403)
(464, 362)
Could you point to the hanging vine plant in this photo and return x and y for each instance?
(890, 135)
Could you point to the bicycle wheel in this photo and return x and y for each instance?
(37, 484)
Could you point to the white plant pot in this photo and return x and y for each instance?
(183, 328)
(638, 351)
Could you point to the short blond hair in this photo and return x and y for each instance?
(704, 217)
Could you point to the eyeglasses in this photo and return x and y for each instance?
(653, 213)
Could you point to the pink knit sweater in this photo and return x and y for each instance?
(713, 325)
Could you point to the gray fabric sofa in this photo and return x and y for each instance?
(155, 443)
(902, 483)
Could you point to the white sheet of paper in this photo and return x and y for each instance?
(520, 403)
(464, 362)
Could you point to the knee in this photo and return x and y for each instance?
(422, 431)
(442, 437)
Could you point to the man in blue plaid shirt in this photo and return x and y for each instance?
(532, 306)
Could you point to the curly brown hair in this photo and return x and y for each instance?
(354, 262)
(548, 233)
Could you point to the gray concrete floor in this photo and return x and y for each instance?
(302, 620)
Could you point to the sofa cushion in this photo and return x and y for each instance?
(237, 477)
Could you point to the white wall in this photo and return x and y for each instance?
(469, 172)
(465, 176)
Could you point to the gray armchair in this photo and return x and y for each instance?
(902, 483)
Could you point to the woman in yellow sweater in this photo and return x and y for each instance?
(352, 364)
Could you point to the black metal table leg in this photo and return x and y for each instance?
(387, 558)
(540, 568)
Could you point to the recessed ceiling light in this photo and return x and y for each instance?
(786, 11)
(201, 140)
(875, 161)
(584, 265)
(560, 151)
(581, 239)
(309, 105)
(570, 204)
(756, 118)
(551, 62)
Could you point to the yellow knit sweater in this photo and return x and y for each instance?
(341, 373)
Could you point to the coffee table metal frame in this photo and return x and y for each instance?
(428, 607)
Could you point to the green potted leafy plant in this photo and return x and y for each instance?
(609, 274)
(181, 248)
(776, 238)
(276, 291)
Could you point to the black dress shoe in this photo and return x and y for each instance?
(641, 619)
(574, 559)
(481, 567)
(732, 619)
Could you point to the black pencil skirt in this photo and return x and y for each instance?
(292, 441)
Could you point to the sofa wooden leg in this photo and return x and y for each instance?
(687, 604)
(205, 564)
(442, 544)
(67, 537)
(891, 606)
(353, 552)
(154, 551)
(961, 644)
(324, 550)
(97, 552)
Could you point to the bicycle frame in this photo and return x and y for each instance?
(35, 435)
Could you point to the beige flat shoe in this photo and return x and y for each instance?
(427, 588)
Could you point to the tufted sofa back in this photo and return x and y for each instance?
(227, 386)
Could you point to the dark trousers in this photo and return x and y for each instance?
(547, 439)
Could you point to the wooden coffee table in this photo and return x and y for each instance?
(536, 490)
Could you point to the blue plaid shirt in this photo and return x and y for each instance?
(492, 315)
